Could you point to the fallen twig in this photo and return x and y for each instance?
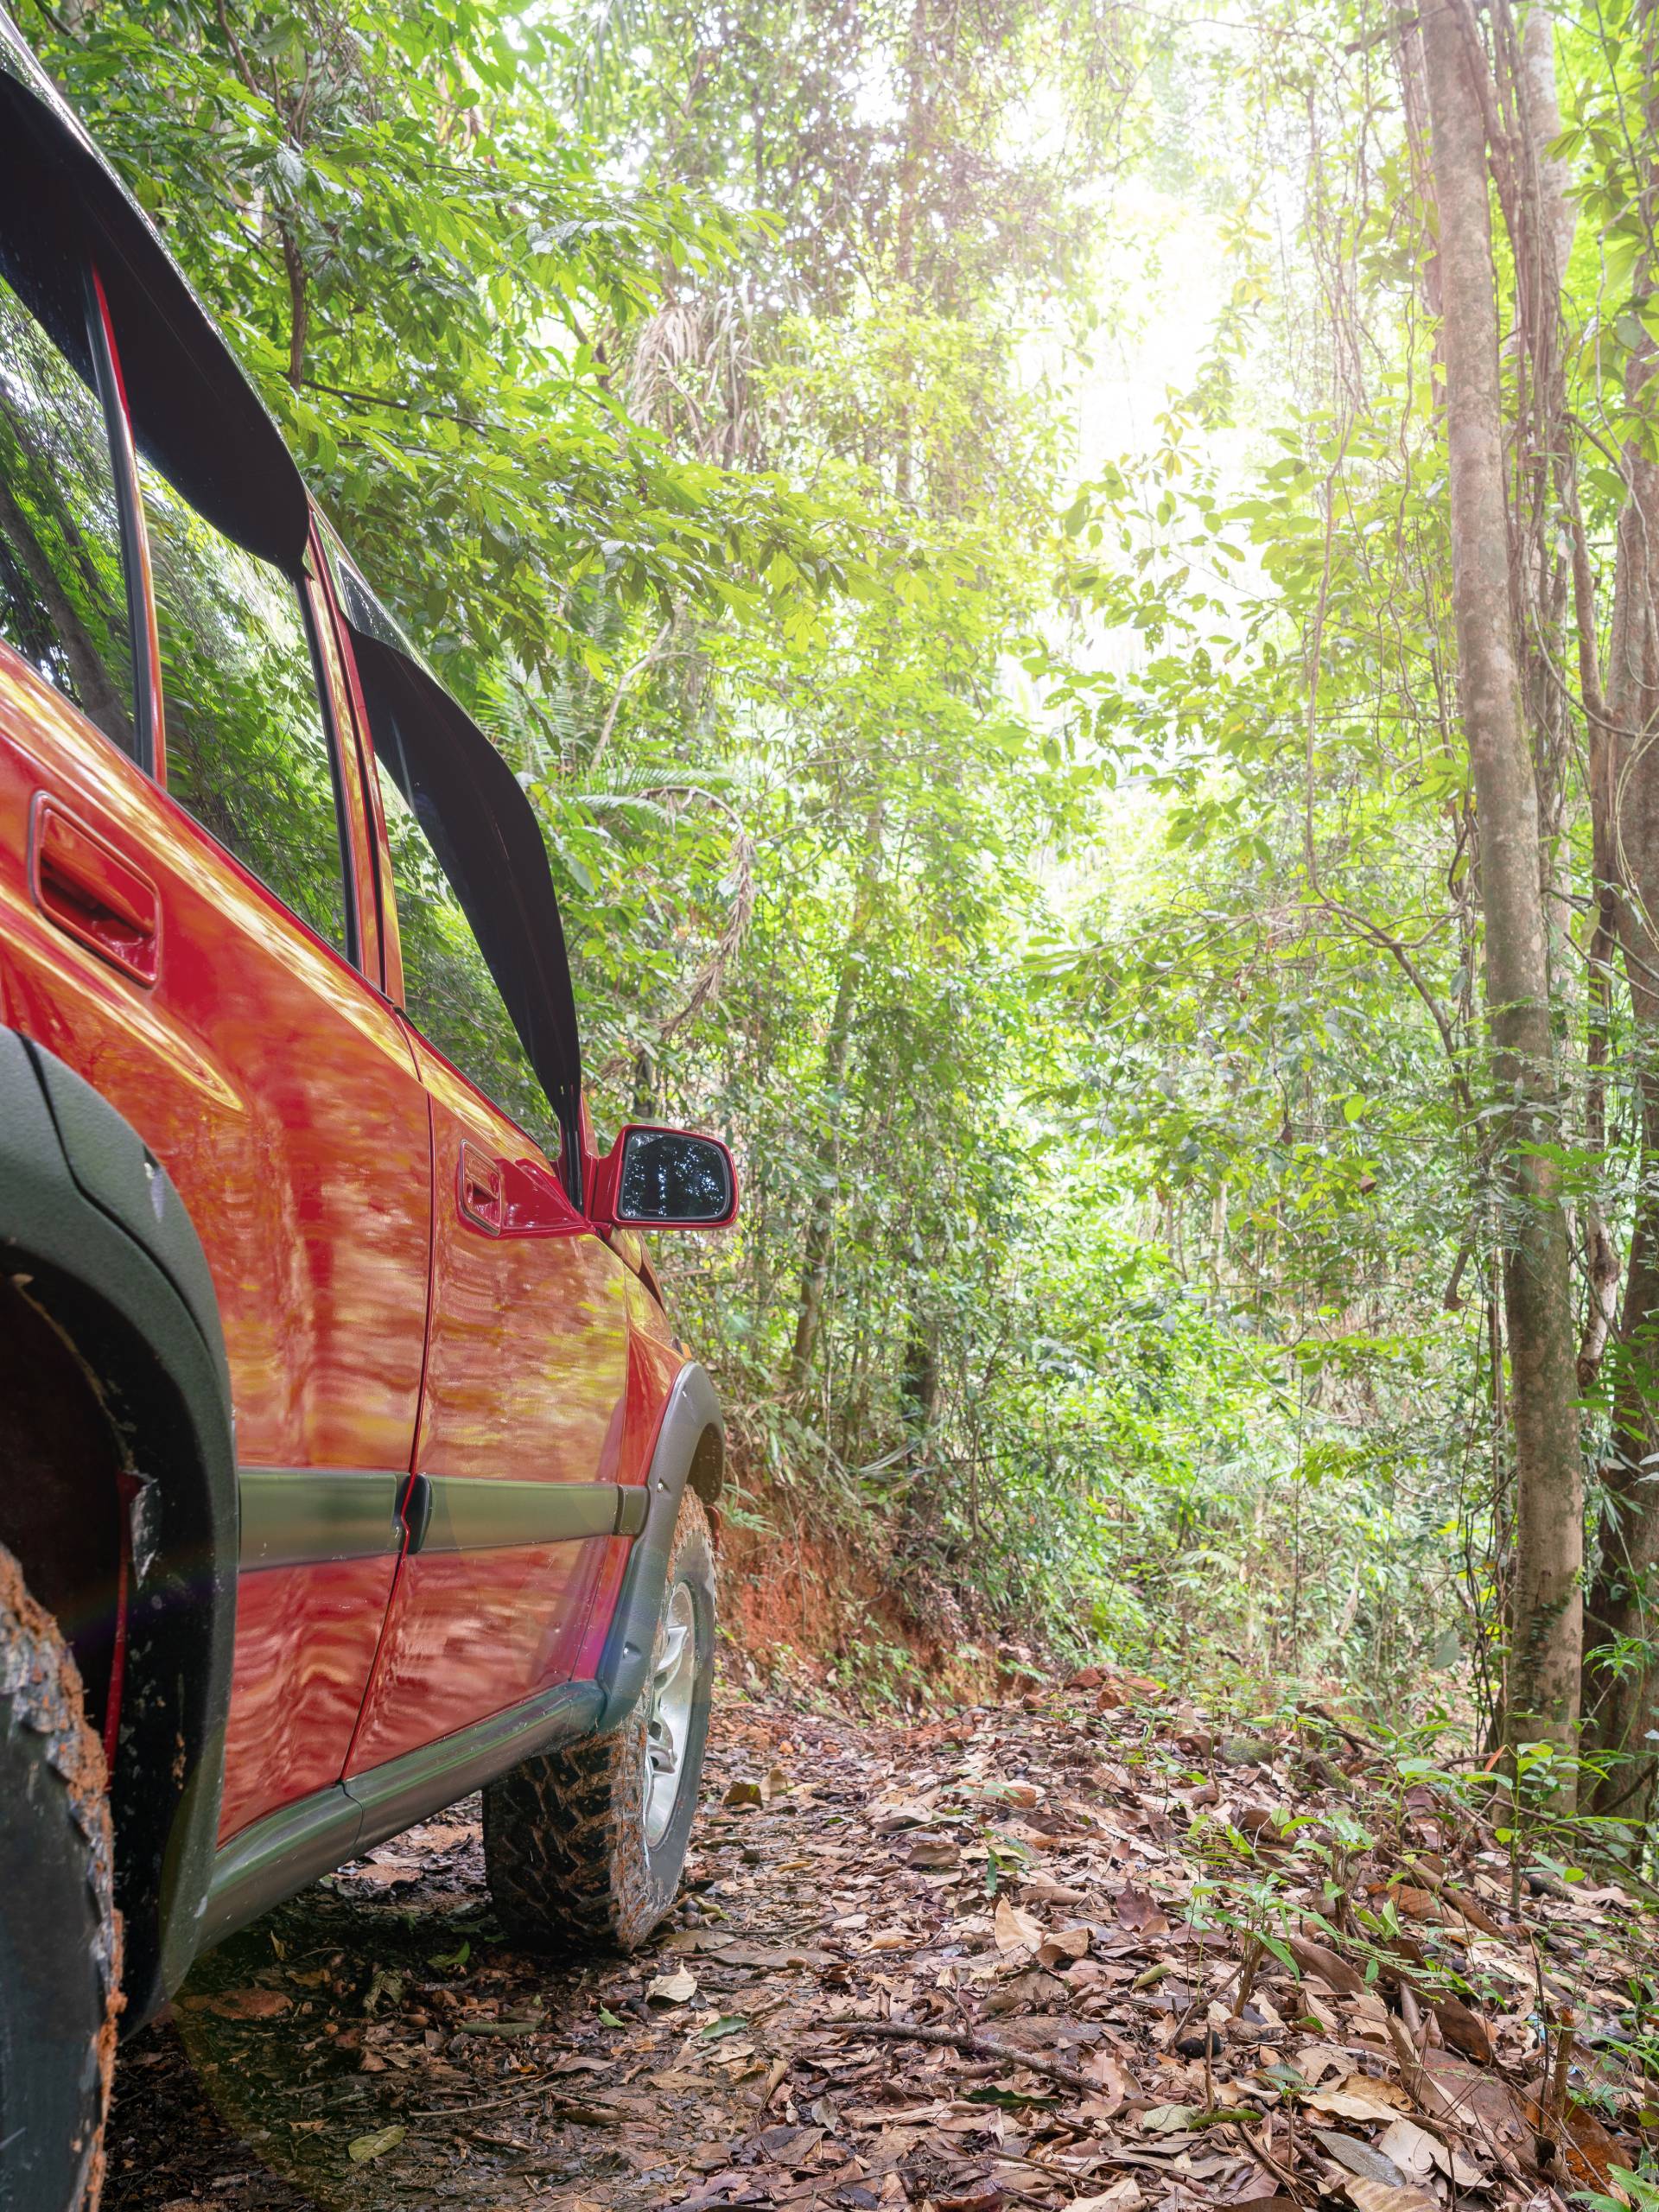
(521, 2096)
(1271, 2165)
(1471, 1909)
(586, 2115)
(979, 2046)
(1338, 1728)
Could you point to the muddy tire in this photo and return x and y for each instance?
(60, 1934)
(584, 1846)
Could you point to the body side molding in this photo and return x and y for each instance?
(407, 1789)
(310, 1517)
(279, 1855)
(475, 1514)
(306, 1517)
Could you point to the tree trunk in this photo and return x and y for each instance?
(1542, 1698)
(1621, 1687)
(820, 1228)
(918, 1391)
(1544, 218)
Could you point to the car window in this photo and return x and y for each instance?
(248, 745)
(63, 594)
(449, 992)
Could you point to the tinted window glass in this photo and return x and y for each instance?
(63, 594)
(248, 749)
(449, 992)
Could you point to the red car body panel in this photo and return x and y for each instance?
(526, 1372)
(306, 1638)
(281, 1097)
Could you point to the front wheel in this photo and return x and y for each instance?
(59, 1933)
(584, 1846)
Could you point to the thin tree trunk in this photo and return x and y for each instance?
(1621, 1698)
(820, 1228)
(917, 120)
(918, 1391)
(299, 299)
(1543, 1689)
(1545, 219)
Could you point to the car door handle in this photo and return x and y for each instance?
(81, 884)
(480, 1190)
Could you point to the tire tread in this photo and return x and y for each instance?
(563, 1832)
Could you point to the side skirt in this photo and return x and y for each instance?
(279, 1855)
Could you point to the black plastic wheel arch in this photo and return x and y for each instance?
(93, 1232)
(689, 1447)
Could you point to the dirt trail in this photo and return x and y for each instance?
(1062, 1894)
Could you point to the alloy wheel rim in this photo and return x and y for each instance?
(668, 1718)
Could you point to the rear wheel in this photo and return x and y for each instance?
(60, 1935)
(585, 1846)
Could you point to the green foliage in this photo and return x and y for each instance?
(1051, 862)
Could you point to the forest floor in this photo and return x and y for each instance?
(1005, 1958)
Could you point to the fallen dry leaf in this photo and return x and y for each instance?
(1334, 1972)
(1387, 2196)
(1464, 2030)
(1416, 1904)
(362, 2148)
(243, 2004)
(1123, 2196)
(1360, 2096)
(1418, 2154)
(1043, 1887)
(1360, 2158)
(1140, 1913)
(676, 1988)
(1064, 1943)
(1013, 1929)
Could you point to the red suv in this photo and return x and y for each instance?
(350, 1461)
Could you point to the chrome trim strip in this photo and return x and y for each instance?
(307, 1516)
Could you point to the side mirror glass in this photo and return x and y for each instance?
(669, 1178)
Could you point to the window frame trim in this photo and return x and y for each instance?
(352, 948)
(376, 912)
(150, 740)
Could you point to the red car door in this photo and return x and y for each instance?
(520, 1434)
(522, 1406)
(187, 941)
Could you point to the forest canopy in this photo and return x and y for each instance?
(1072, 585)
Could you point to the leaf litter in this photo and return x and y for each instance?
(1076, 1951)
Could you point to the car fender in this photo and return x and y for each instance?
(690, 1447)
(93, 1232)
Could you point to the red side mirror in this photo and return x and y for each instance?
(665, 1178)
